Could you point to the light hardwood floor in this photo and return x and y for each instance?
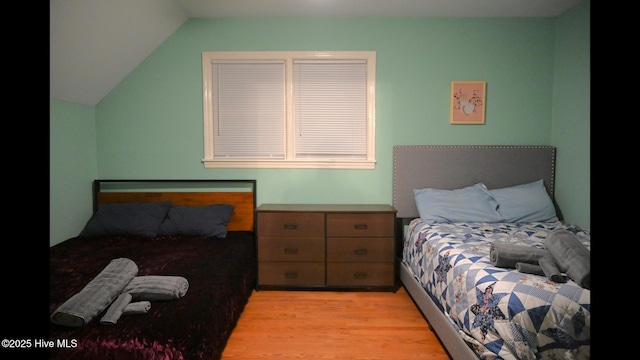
(332, 325)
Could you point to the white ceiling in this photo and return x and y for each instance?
(94, 44)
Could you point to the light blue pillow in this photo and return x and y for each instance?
(470, 204)
(525, 203)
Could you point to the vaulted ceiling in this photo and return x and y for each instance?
(94, 44)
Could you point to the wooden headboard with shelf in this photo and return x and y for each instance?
(239, 193)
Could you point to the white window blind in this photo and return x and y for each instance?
(330, 108)
(289, 109)
(249, 109)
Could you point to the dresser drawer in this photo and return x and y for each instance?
(360, 225)
(290, 249)
(324, 246)
(360, 274)
(298, 224)
(360, 249)
(291, 273)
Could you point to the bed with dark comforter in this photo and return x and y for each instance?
(220, 271)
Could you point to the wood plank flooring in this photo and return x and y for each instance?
(332, 325)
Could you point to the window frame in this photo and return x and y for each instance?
(289, 161)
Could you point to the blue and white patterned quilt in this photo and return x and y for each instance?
(500, 312)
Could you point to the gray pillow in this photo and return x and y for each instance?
(208, 220)
(140, 219)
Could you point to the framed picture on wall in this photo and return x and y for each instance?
(468, 100)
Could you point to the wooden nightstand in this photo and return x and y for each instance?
(326, 247)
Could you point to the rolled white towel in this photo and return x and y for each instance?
(115, 310)
(138, 307)
(529, 268)
(571, 256)
(508, 255)
(550, 268)
(97, 295)
(157, 287)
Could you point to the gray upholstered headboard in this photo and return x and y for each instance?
(456, 166)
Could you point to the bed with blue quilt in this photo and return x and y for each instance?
(486, 255)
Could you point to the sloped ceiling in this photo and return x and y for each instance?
(94, 44)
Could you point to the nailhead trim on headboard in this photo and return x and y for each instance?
(412, 165)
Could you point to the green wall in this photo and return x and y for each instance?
(150, 125)
(571, 114)
(73, 165)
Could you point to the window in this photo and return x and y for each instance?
(289, 109)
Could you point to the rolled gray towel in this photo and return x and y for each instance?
(157, 287)
(115, 309)
(551, 271)
(571, 256)
(508, 255)
(138, 307)
(97, 295)
(529, 268)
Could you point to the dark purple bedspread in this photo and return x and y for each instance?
(221, 275)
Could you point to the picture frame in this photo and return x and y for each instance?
(468, 102)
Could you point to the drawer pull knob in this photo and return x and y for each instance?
(290, 251)
(360, 251)
(360, 226)
(291, 274)
(360, 275)
(290, 226)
